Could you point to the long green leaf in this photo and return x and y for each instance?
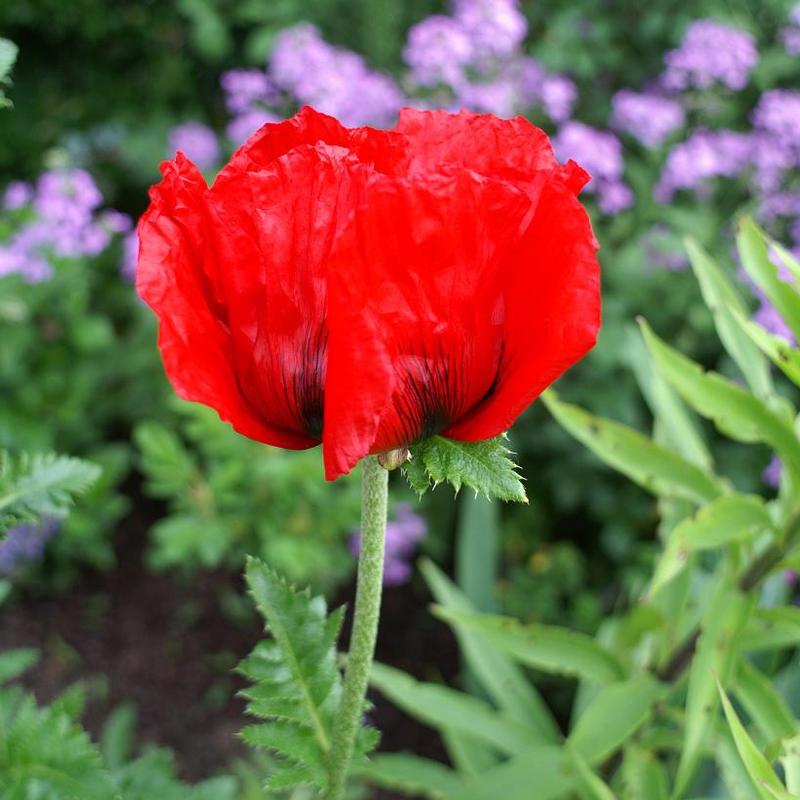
(726, 519)
(412, 775)
(546, 647)
(754, 253)
(724, 301)
(724, 618)
(500, 677)
(776, 348)
(590, 785)
(758, 768)
(764, 705)
(643, 775)
(653, 467)
(613, 716)
(440, 706)
(735, 411)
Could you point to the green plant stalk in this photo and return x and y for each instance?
(374, 496)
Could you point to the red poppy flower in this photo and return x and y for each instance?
(366, 288)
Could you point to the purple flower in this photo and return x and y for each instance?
(403, 534)
(438, 50)
(24, 545)
(711, 53)
(196, 141)
(771, 321)
(17, 195)
(115, 221)
(245, 88)
(703, 156)
(614, 196)
(332, 79)
(493, 97)
(495, 29)
(661, 252)
(130, 255)
(649, 118)
(778, 114)
(772, 474)
(558, 94)
(241, 128)
(791, 40)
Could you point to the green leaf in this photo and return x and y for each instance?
(772, 629)
(714, 658)
(440, 706)
(477, 550)
(486, 467)
(724, 302)
(545, 769)
(643, 775)
(727, 519)
(8, 55)
(753, 249)
(591, 785)
(14, 662)
(412, 775)
(549, 648)
(43, 753)
(681, 432)
(297, 684)
(734, 411)
(500, 677)
(790, 759)
(653, 467)
(38, 485)
(168, 465)
(758, 768)
(118, 736)
(612, 717)
(764, 705)
(776, 348)
(467, 753)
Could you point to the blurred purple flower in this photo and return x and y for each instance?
(711, 53)
(771, 321)
(773, 472)
(196, 141)
(791, 35)
(495, 29)
(333, 80)
(493, 97)
(557, 95)
(246, 88)
(438, 50)
(648, 117)
(241, 128)
(704, 155)
(17, 195)
(778, 114)
(130, 255)
(403, 534)
(600, 154)
(25, 544)
(614, 196)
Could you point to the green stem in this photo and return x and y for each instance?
(374, 494)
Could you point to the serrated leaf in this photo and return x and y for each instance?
(724, 302)
(545, 647)
(501, 678)
(486, 467)
(297, 680)
(655, 468)
(734, 411)
(753, 249)
(612, 717)
(726, 519)
(32, 486)
(439, 705)
(757, 766)
(14, 662)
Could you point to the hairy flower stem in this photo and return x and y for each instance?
(374, 494)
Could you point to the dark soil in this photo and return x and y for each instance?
(162, 642)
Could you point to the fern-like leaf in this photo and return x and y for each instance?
(43, 753)
(487, 467)
(296, 681)
(33, 486)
